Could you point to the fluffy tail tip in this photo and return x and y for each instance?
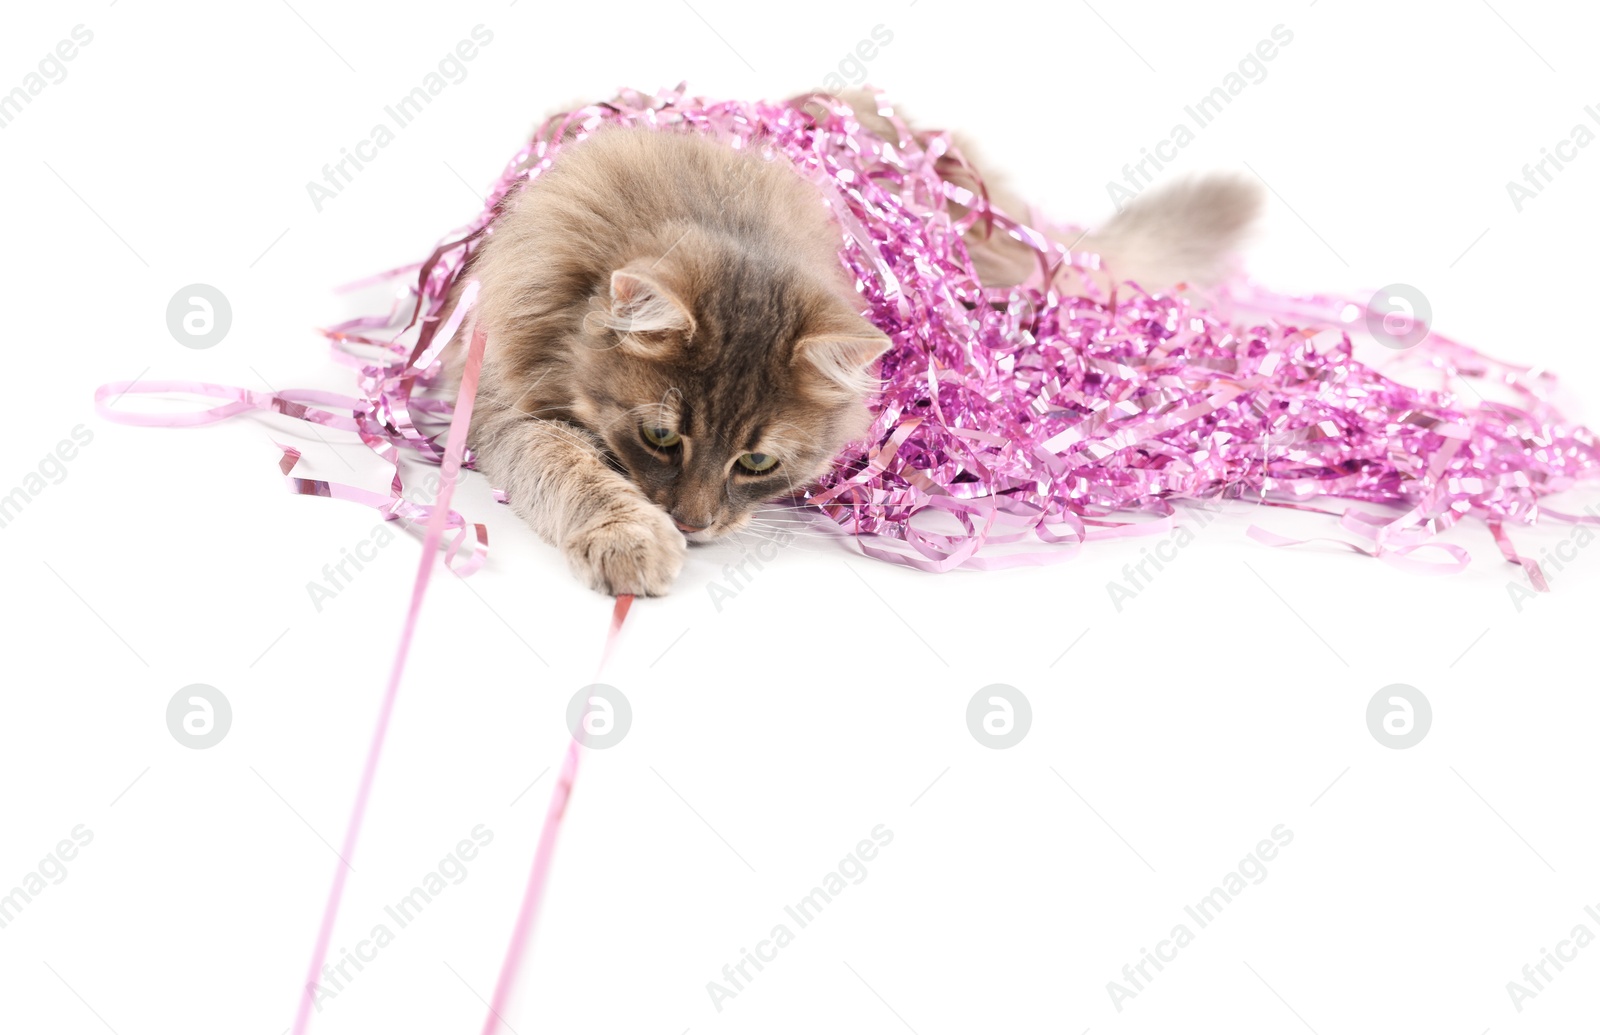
(1186, 232)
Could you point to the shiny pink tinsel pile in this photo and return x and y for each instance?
(1028, 415)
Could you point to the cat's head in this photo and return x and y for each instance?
(721, 378)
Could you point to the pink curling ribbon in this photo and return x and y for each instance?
(393, 413)
(450, 469)
(437, 519)
(533, 897)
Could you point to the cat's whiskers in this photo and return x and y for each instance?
(786, 529)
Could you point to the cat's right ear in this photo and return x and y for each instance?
(845, 357)
(644, 310)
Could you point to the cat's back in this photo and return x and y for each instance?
(625, 179)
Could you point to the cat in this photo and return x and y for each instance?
(673, 341)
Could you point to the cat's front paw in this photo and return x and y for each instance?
(637, 551)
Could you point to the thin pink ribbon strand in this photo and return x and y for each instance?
(533, 897)
(450, 469)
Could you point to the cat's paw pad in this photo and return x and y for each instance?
(638, 552)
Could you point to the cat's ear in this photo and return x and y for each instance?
(844, 358)
(643, 308)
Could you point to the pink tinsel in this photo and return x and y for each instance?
(1027, 414)
(1036, 413)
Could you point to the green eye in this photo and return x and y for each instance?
(661, 438)
(758, 463)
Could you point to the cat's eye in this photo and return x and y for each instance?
(661, 438)
(757, 463)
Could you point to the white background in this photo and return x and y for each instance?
(829, 695)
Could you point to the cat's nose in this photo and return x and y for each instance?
(687, 528)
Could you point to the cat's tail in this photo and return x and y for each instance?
(1186, 232)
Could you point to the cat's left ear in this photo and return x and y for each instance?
(844, 358)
